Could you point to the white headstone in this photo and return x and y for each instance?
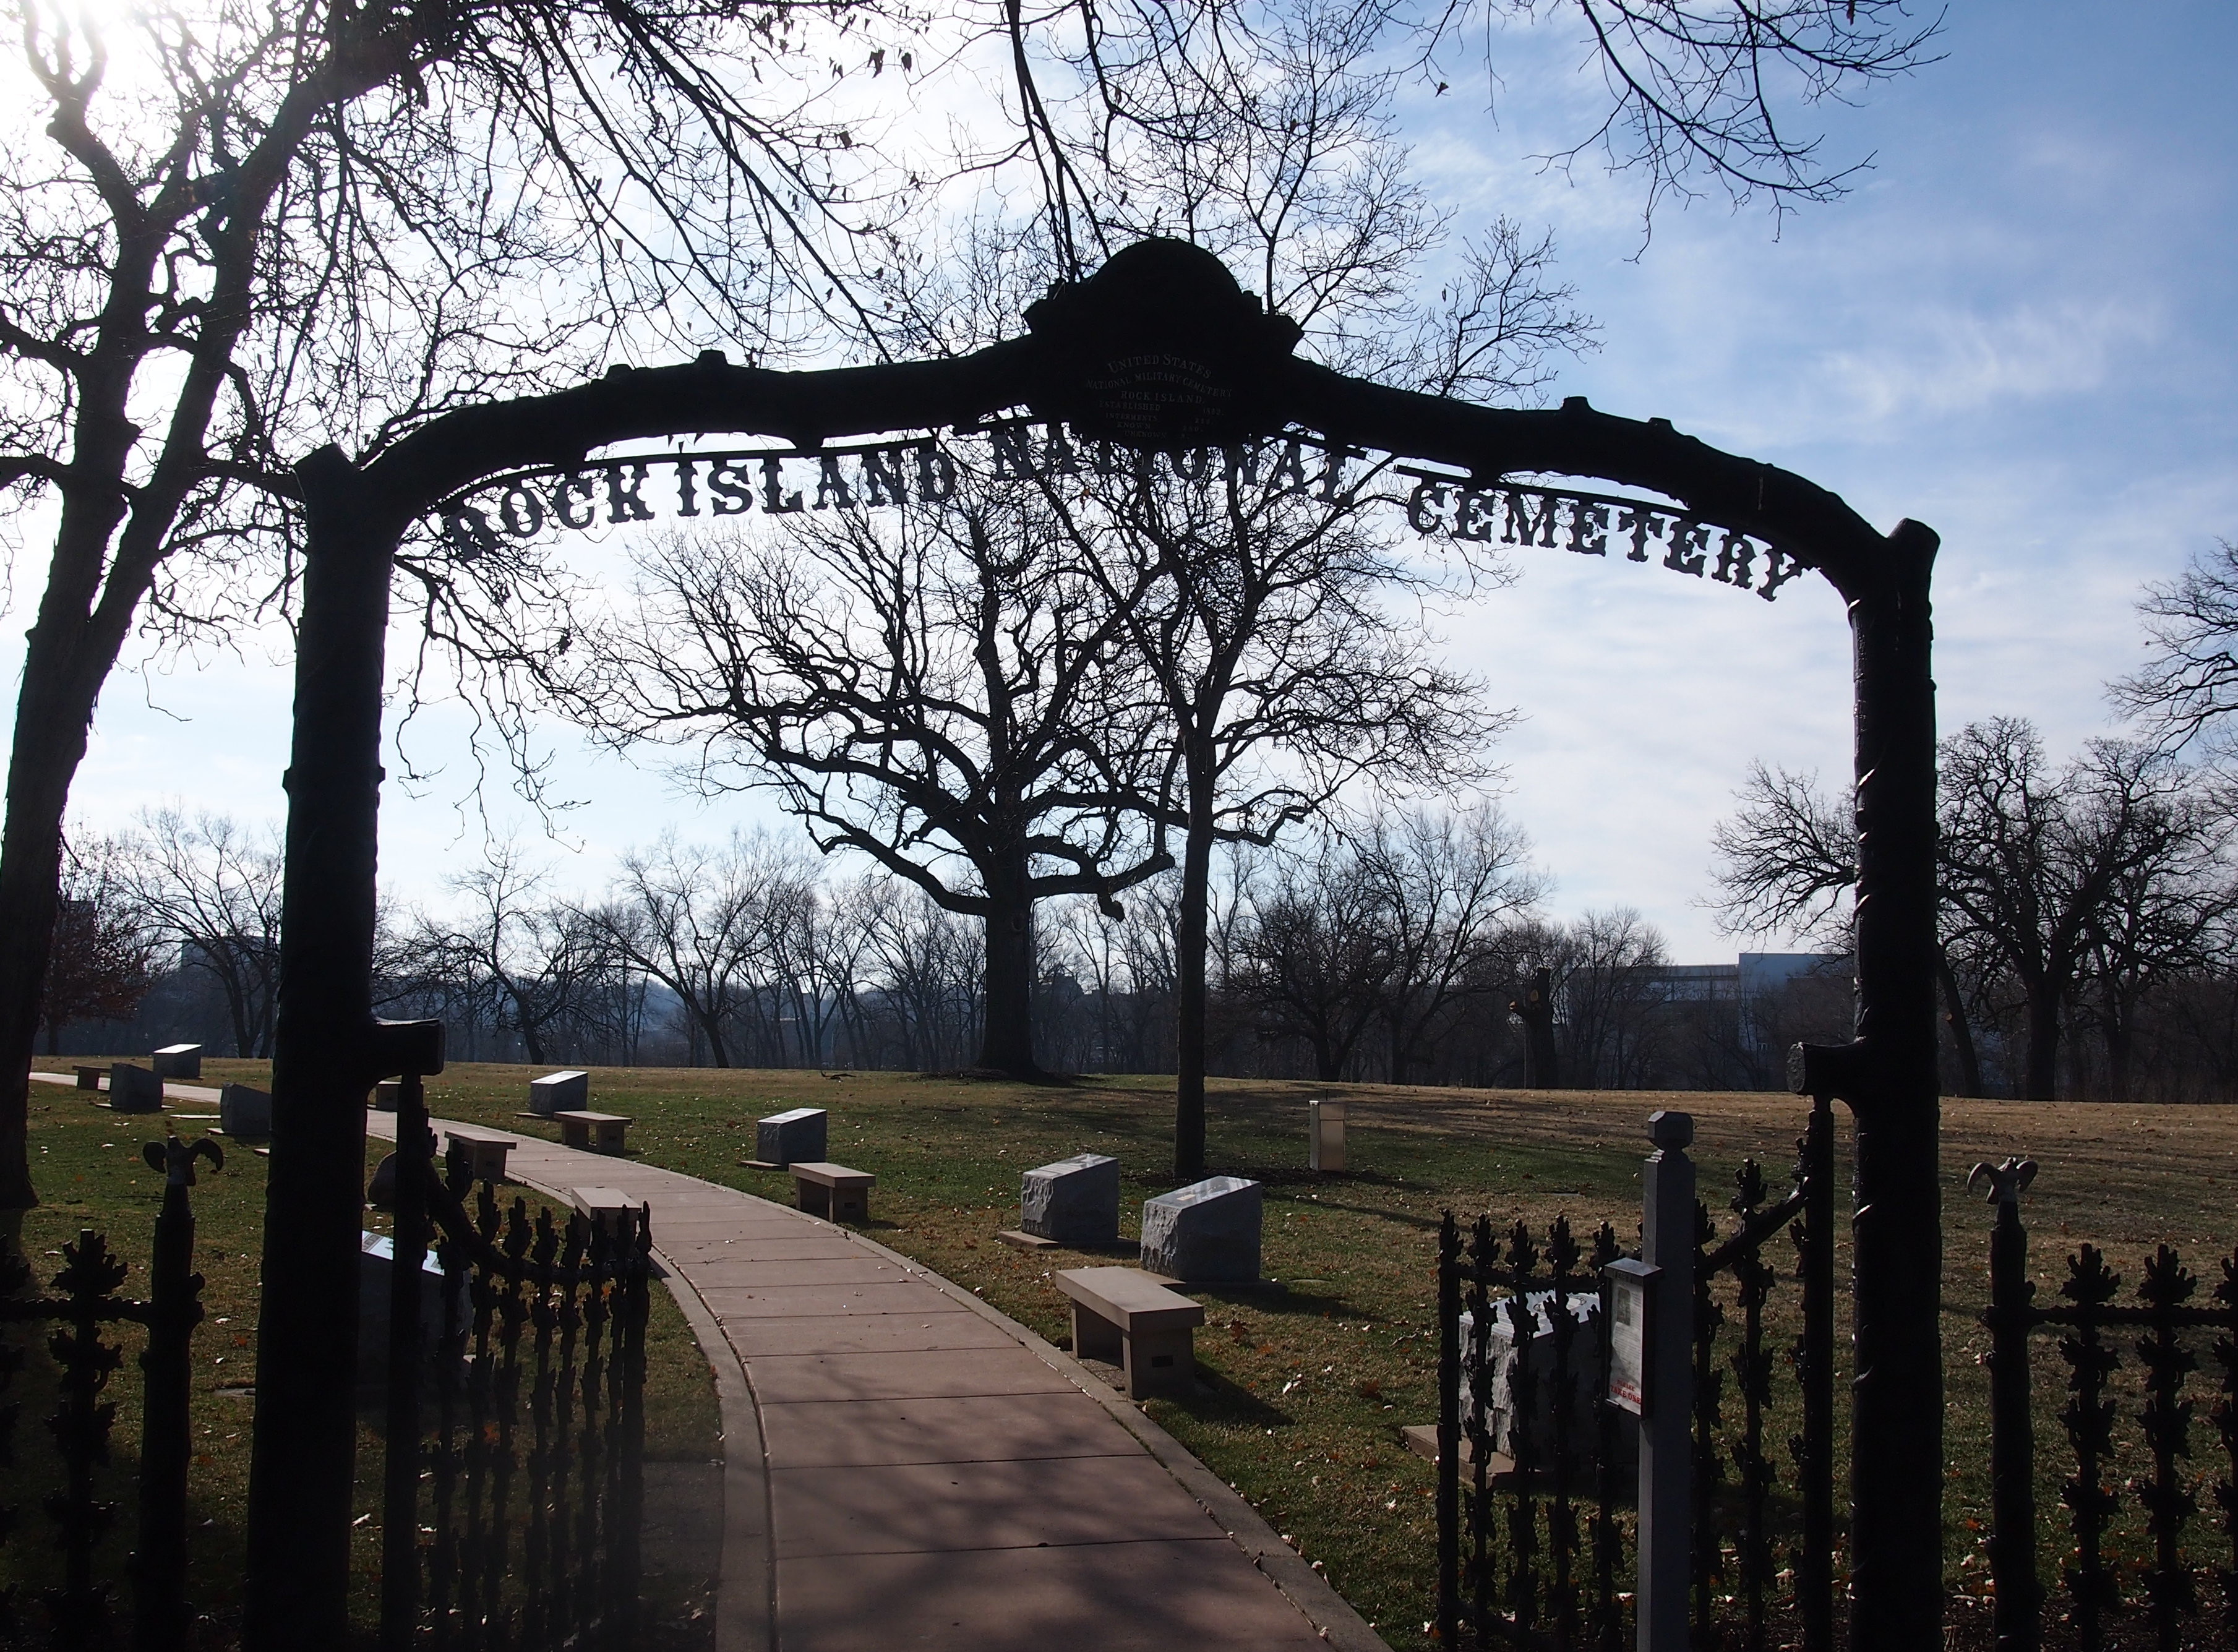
(134, 1089)
(1074, 1201)
(244, 1112)
(799, 1137)
(179, 1061)
(1205, 1234)
(1499, 1357)
(1325, 1134)
(376, 1266)
(559, 1092)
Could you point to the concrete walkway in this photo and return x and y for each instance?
(906, 1467)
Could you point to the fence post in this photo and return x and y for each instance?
(159, 1561)
(399, 1506)
(1814, 1448)
(2018, 1614)
(1666, 1435)
(1449, 1431)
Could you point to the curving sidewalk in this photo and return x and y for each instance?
(905, 1466)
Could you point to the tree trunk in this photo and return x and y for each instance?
(236, 1004)
(67, 656)
(2042, 1072)
(1399, 1062)
(1006, 1031)
(531, 1043)
(1189, 968)
(1535, 1007)
(2119, 1046)
(51, 737)
(1962, 1029)
(718, 1054)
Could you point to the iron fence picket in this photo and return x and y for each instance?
(1752, 1368)
(2088, 1314)
(1607, 1627)
(1448, 1617)
(1522, 1430)
(88, 1299)
(1708, 1415)
(1812, 1361)
(2089, 1418)
(2166, 1420)
(533, 1463)
(1482, 1586)
(1563, 1256)
(2225, 1423)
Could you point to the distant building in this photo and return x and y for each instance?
(1765, 973)
(1691, 983)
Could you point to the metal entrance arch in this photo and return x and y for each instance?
(1160, 350)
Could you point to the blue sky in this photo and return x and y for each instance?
(2020, 329)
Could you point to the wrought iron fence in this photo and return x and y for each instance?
(1528, 1436)
(87, 1300)
(514, 1482)
(2174, 1321)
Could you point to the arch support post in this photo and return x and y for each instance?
(328, 1055)
(1888, 1076)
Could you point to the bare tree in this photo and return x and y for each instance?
(542, 962)
(232, 229)
(2171, 896)
(1445, 884)
(1606, 985)
(1312, 957)
(1713, 95)
(1693, 96)
(937, 694)
(930, 973)
(2188, 689)
(211, 888)
(1786, 861)
(102, 962)
(2111, 863)
(696, 920)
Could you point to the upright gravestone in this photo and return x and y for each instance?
(244, 1112)
(134, 1089)
(1325, 1132)
(1204, 1235)
(1074, 1201)
(376, 1269)
(179, 1061)
(799, 1137)
(559, 1093)
(385, 1094)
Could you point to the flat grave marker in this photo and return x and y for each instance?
(790, 1138)
(178, 1061)
(559, 1093)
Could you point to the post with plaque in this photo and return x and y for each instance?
(1650, 1319)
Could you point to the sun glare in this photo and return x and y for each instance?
(69, 32)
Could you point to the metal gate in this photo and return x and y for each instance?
(513, 1482)
(1529, 1440)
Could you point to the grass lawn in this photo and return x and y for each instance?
(1305, 1390)
(87, 1164)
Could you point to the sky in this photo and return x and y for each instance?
(2019, 329)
